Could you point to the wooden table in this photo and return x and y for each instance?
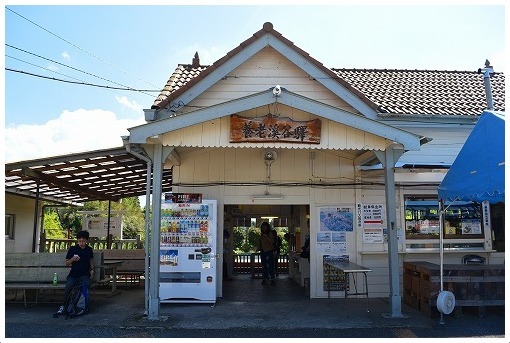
(112, 266)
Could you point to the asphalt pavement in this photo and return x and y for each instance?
(247, 310)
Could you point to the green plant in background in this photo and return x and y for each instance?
(52, 225)
(59, 220)
(69, 219)
(246, 239)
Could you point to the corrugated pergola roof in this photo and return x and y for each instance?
(110, 174)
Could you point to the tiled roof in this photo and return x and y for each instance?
(180, 78)
(428, 92)
(390, 91)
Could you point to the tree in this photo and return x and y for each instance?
(133, 218)
(52, 225)
(245, 239)
(69, 219)
(57, 221)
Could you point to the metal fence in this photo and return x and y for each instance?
(56, 245)
(250, 264)
(243, 263)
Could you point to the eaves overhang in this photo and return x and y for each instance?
(140, 134)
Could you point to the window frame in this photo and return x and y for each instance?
(431, 242)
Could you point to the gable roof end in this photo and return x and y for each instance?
(173, 90)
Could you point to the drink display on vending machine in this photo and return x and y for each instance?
(187, 258)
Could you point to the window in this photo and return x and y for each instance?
(422, 218)
(463, 226)
(9, 226)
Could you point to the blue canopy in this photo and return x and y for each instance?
(478, 172)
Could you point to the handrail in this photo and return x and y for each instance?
(53, 245)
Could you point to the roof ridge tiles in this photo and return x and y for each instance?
(408, 70)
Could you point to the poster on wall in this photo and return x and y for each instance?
(471, 226)
(336, 219)
(331, 243)
(373, 235)
(373, 215)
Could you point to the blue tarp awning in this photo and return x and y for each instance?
(478, 172)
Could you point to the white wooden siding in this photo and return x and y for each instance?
(247, 165)
(216, 133)
(442, 150)
(262, 71)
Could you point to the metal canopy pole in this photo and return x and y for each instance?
(147, 233)
(36, 212)
(388, 158)
(109, 239)
(148, 186)
(160, 155)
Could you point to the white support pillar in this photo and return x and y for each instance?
(160, 154)
(388, 158)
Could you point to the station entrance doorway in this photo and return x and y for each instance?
(241, 260)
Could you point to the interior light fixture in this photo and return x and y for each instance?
(267, 197)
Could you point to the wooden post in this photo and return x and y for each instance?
(42, 242)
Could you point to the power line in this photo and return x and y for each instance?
(79, 48)
(82, 83)
(62, 64)
(38, 66)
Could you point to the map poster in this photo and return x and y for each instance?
(336, 219)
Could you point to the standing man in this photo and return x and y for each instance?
(80, 258)
(277, 250)
(267, 245)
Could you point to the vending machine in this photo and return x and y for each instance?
(188, 255)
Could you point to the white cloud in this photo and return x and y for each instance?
(65, 55)
(52, 67)
(133, 105)
(73, 131)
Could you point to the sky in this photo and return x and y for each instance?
(52, 50)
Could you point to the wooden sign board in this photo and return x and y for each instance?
(274, 129)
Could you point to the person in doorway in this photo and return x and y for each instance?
(80, 258)
(277, 250)
(227, 256)
(267, 245)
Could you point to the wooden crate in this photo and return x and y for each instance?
(411, 299)
(473, 285)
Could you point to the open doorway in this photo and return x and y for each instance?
(241, 259)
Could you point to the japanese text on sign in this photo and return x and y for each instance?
(373, 215)
(274, 129)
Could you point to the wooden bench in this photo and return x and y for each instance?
(31, 272)
(133, 263)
